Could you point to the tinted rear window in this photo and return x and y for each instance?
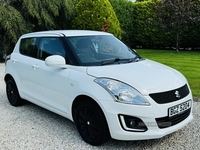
(28, 47)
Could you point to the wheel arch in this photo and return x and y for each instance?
(8, 76)
(80, 99)
(104, 133)
(12, 89)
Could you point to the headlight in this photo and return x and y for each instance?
(122, 92)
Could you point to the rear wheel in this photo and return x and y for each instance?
(12, 93)
(91, 123)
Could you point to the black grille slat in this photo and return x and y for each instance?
(165, 122)
(170, 96)
(182, 117)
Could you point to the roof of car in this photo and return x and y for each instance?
(67, 33)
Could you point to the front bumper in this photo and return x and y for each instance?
(147, 114)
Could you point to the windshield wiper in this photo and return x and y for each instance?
(113, 60)
(109, 61)
(137, 58)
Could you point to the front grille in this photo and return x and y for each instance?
(170, 96)
(168, 122)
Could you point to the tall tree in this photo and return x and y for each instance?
(176, 15)
(96, 15)
(12, 25)
(45, 14)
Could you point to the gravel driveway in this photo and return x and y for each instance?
(30, 127)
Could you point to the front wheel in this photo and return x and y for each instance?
(91, 123)
(12, 93)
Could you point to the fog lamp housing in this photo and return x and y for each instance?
(130, 123)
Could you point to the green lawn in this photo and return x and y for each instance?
(187, 62)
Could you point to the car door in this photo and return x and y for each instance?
(23, 65)
(40, 84)
(50, 84)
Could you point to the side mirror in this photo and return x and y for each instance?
(55, 61)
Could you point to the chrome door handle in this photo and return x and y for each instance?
(35, 67)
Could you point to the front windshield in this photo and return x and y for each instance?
(101, 50)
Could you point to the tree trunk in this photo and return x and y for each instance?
(177, 41)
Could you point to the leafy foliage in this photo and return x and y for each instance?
(190, 36)
(176, 15)
(141, 0)
(167, 24)
(94, 14)
(45, 14)
(145, 33)
(124, 12)
(18, 17)
(146, 23)
(12, 25)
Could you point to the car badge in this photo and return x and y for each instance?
(177, 94)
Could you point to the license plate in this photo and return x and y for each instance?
(179, 108)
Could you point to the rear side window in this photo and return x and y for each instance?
(28, 47)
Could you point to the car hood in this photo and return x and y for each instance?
(146, 76)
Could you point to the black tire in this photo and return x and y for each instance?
(12, 93)
(91, 123)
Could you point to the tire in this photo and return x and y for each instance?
(91, 123)
(12, 93)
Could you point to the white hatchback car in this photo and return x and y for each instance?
(95, 80)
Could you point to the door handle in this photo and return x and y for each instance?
(35, 67)
(14, 60)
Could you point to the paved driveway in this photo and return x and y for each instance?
(30, 127)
